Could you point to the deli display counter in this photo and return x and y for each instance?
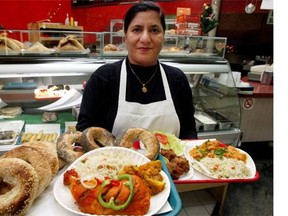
(217, 106)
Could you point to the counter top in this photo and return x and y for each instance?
(260, 90)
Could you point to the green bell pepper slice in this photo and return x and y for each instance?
(111, 204)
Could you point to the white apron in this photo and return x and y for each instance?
(159, 115)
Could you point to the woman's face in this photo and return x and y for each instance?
(144, 38)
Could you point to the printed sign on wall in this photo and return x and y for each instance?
(248, 103)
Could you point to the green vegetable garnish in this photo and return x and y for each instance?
(220, 152)
(111, 204)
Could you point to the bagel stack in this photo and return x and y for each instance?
(25, 172)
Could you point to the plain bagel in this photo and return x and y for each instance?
(66, 148)
(96, 137)
(149, 140)
(18, 186)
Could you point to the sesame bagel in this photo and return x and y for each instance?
(49, 149)
(37, 160)
(18, 186)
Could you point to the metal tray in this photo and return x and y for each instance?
(222, 122)
(205, 122)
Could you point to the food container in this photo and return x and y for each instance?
(225, 125)
(209, 127)
(223, 122)
(208, 123)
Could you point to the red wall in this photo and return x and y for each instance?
(15, 14)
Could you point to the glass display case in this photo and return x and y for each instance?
(201, 58)
(183, 46)
(103, 44)
(217, 106)
(50, 41)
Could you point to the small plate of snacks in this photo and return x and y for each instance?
(40, 132)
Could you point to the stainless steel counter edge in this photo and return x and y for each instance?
(83, 67)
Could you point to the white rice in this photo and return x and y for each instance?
(226, 167)
(108, 164)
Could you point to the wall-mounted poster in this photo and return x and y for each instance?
(77, 3)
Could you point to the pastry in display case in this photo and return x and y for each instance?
(10, 45)
(71, 43)
(103, 44)
(49, 34)
(183, 46)
(193, 46)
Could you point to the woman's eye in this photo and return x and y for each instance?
(155, 31)
(136, 30)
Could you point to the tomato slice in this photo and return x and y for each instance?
(136, 144)
(162, 138)
(114, 182)
(222, 145)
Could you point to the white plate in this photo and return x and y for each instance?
(11, 52)
(71, 52)
(64, 198)
(189, 174)
(192, 144)
(46, 128)
(46, 52)
(115, 53)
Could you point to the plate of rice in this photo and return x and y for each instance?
(107, 162)
(217, 160)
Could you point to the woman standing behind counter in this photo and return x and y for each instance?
(138, 91)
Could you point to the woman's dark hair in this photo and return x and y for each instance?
(141, 7)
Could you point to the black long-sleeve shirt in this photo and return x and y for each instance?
(100, 97)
